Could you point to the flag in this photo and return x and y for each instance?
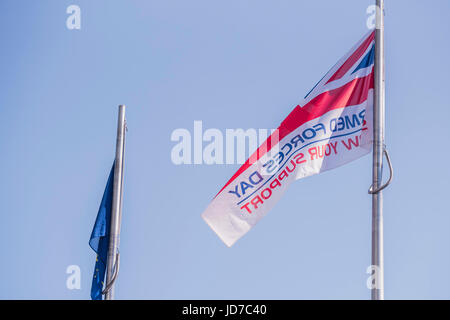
(330, 127)
(99, 240)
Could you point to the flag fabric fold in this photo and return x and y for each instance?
(331, 126)
(99, 240)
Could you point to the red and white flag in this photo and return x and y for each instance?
(332, 126)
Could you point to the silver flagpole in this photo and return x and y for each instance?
(378, 151)
(112, 267)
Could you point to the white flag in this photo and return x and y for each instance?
(332, 126)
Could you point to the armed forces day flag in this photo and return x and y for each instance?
(332, 126)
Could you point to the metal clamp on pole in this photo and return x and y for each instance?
(116, 271)
(391, 175)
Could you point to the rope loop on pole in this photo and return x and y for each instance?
(116, 271)
(391, 175)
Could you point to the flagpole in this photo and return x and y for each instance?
(113, 261)
(377, 291)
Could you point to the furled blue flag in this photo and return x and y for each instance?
(100, 238)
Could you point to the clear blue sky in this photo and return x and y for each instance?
(231, 64)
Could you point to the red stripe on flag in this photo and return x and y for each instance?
(352, 93)
(353, 58)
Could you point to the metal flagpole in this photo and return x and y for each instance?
(377, 290)
(113, 261)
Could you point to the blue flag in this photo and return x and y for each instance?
(100, 238)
